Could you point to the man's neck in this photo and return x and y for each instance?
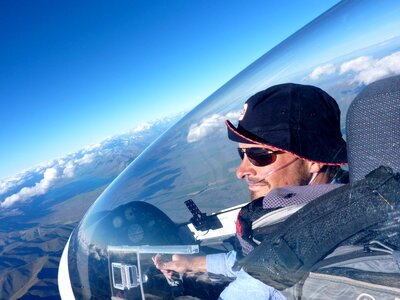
(322, 178)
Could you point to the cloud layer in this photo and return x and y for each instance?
(107, 158)
(364, 69)
(49, 177)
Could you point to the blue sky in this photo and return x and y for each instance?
(74, 72)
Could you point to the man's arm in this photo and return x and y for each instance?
(220, 263)
(180, 264)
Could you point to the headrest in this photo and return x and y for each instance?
(373, 128)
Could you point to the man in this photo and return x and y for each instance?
(362, 217)
(288, 135)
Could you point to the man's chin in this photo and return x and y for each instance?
(258, 193)
(258, 189)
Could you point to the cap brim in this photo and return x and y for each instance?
(236, 136)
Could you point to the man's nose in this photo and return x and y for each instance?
(245, 168)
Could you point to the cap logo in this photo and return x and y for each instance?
(243, 112)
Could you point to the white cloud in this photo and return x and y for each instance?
(12, 182)
(384, 67)
(86, 159)
(327, 69)
(92, 147)
(209, 125)
(357, 65)
(368, 69)
(9, 183)
(40, 188)
(142, 127)
(69, 170)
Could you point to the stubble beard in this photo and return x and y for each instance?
(258, 194)
(303, 179)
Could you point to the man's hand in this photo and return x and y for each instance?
(180, 264)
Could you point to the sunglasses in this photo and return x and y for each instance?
(260, 157)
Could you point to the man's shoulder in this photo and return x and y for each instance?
(296, 195)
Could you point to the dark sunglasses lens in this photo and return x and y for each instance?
(241, 153)
(258, 156)
(261, 159)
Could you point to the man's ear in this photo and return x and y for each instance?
(314, 167)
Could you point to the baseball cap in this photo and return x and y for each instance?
(300, 119)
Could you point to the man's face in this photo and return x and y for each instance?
(286, 170)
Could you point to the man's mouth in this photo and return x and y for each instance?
(254, 182)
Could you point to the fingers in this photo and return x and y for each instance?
(174, 265)
(158, 262)
(178, 263)
(161, 265)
